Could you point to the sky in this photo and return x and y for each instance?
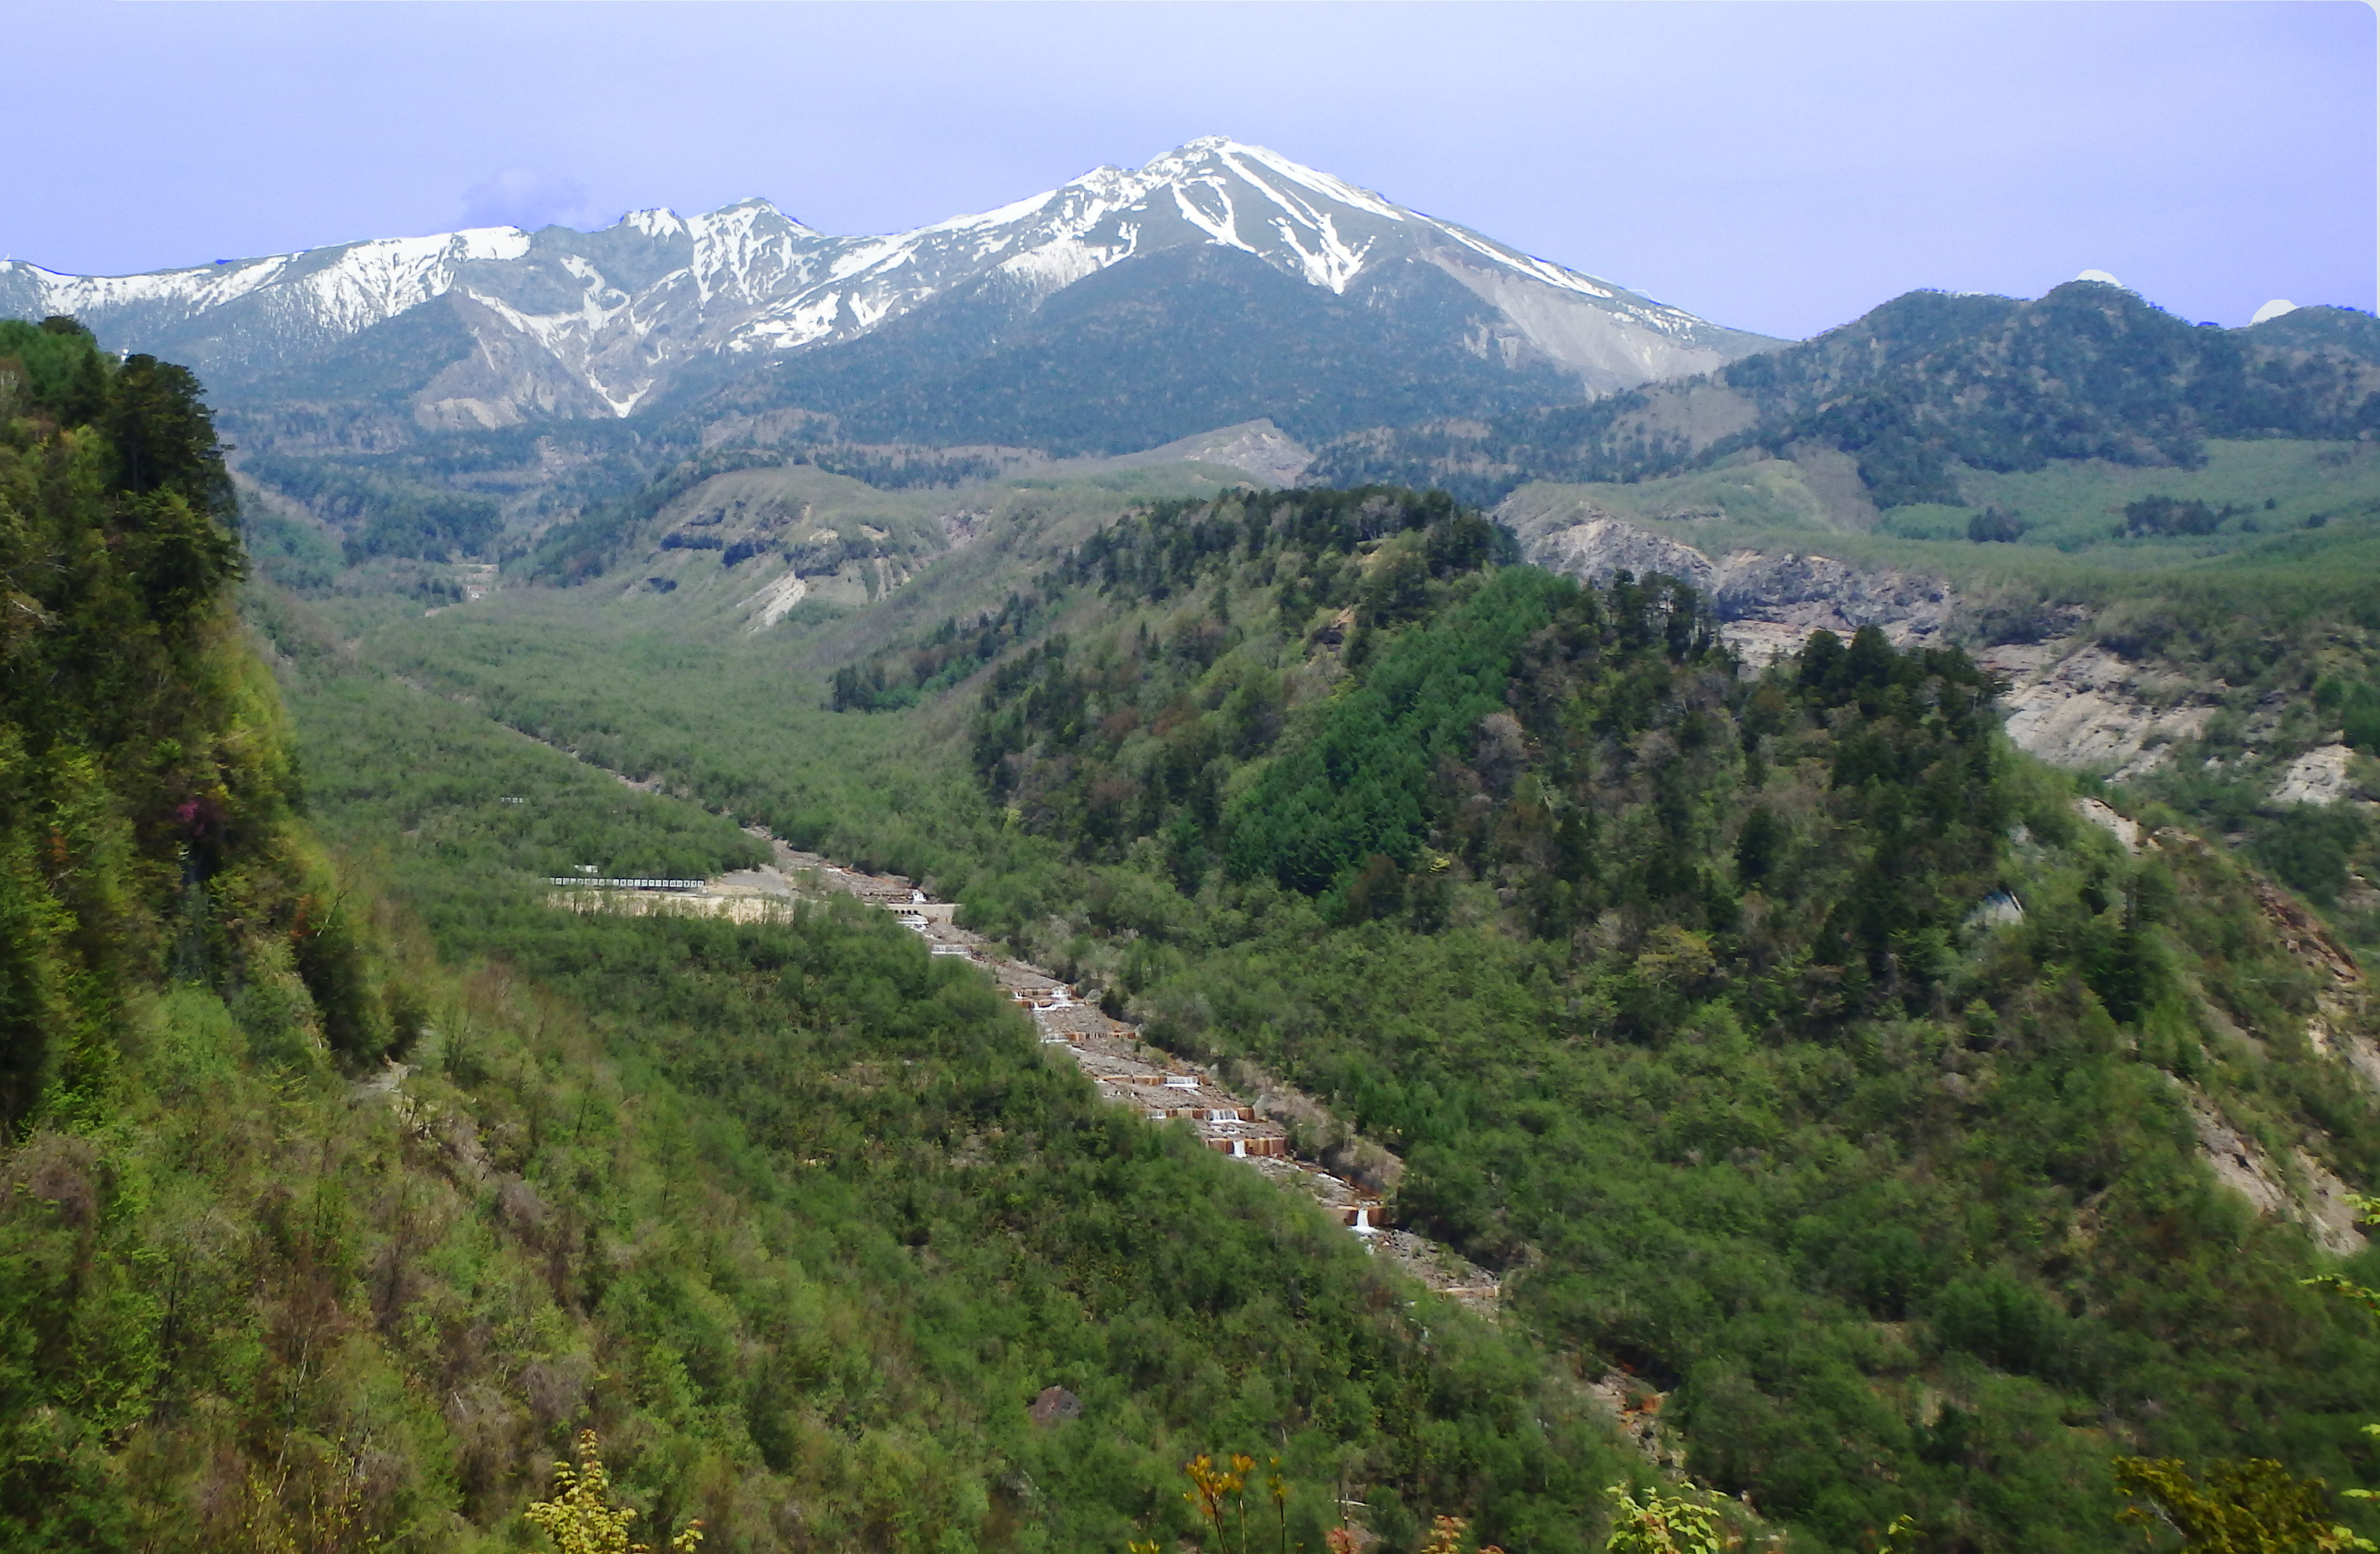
(1771, 164)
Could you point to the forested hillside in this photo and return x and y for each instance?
(145, 821)
(334, 1199)
(1787, 1039)
(1181, 342)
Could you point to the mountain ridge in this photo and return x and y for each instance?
(604, 322)
(1924, 387)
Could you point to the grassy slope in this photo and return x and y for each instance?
(2071, 506)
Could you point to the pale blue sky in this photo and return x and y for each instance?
(1778, 166)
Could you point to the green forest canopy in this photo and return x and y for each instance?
(798, 1218)
(1684, 996)
(1672, 989)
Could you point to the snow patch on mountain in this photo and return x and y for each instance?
(659, 221)
(1221, 226)
(750, 251)
(1330, 188)
(1056, 265)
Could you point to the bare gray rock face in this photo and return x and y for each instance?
(1601, 548)
(2325, 1207)
(2082, 706)
(1055, 1405)
(2069, 699)
(1818, 593)
(1768, 604)
(2071, 703)
(1257, 449)
(2323, 775)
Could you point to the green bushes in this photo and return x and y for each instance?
(2356, 705)
(1361, 785)
(2308, 846)
(2166, 514)
(2000, 1320)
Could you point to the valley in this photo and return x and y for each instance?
(922, 877)
(1119, 922)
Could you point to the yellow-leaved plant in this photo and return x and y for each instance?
(1446, 1537)
(581, 1519)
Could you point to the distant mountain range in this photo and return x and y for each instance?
(1922, 389)
(1217, 283)
(461, 394)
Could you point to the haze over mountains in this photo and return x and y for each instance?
(1292, 272)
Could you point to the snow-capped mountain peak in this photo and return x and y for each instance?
(594, 323)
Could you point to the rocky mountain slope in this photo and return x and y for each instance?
(494, 327)
(2078, 693)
